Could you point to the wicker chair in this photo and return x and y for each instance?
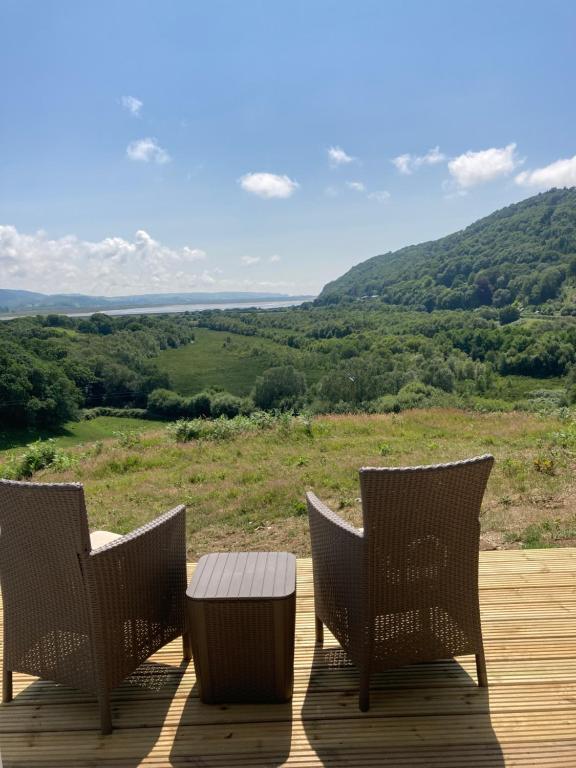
(403, 589)
(80, 615)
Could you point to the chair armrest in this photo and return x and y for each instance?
(136, 589)
(339, 565)
(334, 522)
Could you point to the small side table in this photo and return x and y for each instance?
(241, 611)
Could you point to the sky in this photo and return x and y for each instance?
(267, 145)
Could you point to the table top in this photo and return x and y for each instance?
(243, 575)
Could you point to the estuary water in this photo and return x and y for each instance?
(169, 308)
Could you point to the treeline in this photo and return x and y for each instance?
(525, 254)
(324, 359)
(360, 355)
(51, 367)
(396, 337)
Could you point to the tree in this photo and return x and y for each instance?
(280, 387)
(483, 290)
(165, 404)
(508, 315)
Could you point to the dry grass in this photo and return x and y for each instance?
(248, 492)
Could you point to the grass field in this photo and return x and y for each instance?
(519, 387)
(227, 361)
(218, 359)
(247, 492)
(74, 432)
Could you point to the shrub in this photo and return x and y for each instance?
(415, 394)
(127, 438)
(185, 430)
(227, 405)
(280, 387)
(508, 315)
(124, 413)
(199, 406)
(39, 455)
(165, 404)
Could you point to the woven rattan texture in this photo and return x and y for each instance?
(241, 675)
(80, 617)
(406, 589)
(244, 649)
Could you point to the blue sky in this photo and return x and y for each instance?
(227, 145)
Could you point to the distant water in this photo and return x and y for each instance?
(171, 308)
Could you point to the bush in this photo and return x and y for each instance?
(227, 405)
(508, 315)
(127, 438)
(165, 404)
(415, 394)
(124, 413)
(38, 455)
(199, 406)
(185, 430)
(280, 387)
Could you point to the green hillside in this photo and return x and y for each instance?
(524, 253)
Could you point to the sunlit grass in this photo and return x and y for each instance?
(247, 492)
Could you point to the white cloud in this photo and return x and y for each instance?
(337, 156)
(474, 168)
(110, 266)
(249, 260)
(147, 151)
(403, 163)
(407, 163)
(380, 196)
(274, 259)
(561, 173)
(268, 185)
(132, 105)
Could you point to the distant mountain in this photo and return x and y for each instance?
(11, 300)
(525, 253)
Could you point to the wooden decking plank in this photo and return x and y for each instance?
(429, 715)
(330, 705)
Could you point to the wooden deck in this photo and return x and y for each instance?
(430, 716)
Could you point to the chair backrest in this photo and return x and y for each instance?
(43, 533)
(422, 529)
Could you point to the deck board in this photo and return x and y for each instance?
(426, 716)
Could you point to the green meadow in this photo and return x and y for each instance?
(246, 490)
(218, 359)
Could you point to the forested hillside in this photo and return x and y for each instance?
(381, 353)
(525, 253)
(52, 366)
(358, 357)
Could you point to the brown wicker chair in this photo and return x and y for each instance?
(403, 589)
(82, 616)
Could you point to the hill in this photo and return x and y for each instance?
(524, 253)
(11, 300)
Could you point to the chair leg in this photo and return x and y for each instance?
(186, 646)
(319, 631)
(481, 670)
(105, 713)
(364, 698)
(6, 686)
